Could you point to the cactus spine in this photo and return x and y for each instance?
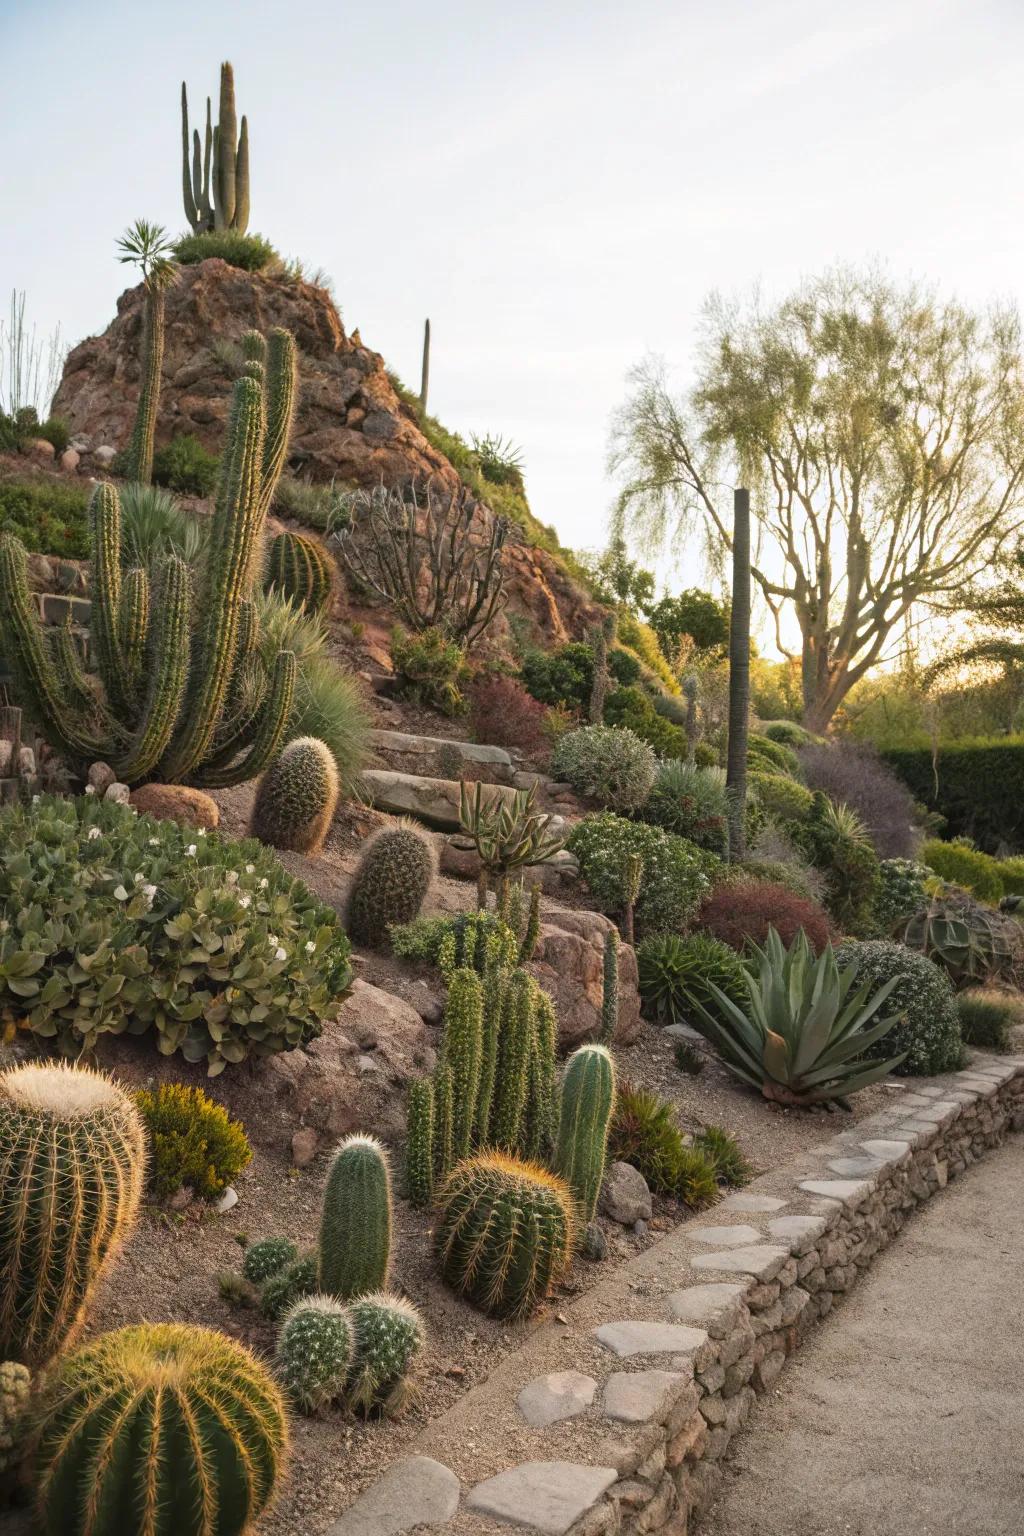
(15, 1388)
(285, 1286)
(506, 1232)
(314, 1352)
(215, 185)
(462, 1049)
(355, 1222)
(297, 797)
(610, 988)
(298, 568)
(588, 1099)
(419, 1145)
(387, 1335)
(161, 1429)
(394, 877)
(515, 1046)
(72, 1164)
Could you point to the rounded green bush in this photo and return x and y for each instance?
(676, 974)
(676, 874)
(962, 865)
(929, 1027)
(607, 764)
(773, 755)
(250, 252)
(786, 733)
(193, 1141)
(184, 465)
(780, 797)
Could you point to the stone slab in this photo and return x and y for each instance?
(560, 1395)
(849, 1191)
(415, 1492)
(640, 1338)
(548, 1496)
(713, 1306)
(799, 1232)
(745, 1200)
(473, 752)
(762, 1261)
(726, 1237)
(636, 1397)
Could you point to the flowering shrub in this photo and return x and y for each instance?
(738, 910)
(675, 875)
(605, 764)
(505, 715)
(929, 1027)
(113, 923)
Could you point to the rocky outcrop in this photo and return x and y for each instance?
(569, 963)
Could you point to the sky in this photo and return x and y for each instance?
(558, 186)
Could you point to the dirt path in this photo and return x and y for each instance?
(903, 1414)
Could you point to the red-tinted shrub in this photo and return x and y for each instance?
(505, 715)
(736, 911)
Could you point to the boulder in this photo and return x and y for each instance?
(100, 777)
(460, 860)
(70, 460)
(569, 963)
(39, 449)
(176, 802)
(625, 1197)
(105, 455)
(433, 801)
(119, 794)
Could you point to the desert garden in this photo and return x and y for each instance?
(415, 936)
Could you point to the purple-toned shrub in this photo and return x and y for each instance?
(852, 773)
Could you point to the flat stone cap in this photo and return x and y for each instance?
(414, 1492)
(548, 1496)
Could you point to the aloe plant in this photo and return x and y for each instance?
(802, 1034)
(508, 832)
(973, 944)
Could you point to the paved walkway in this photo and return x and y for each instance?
(903, 1413)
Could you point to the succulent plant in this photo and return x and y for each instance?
(72, 1167)
(443, 1123)
(531, 933)
(462, 1046)
(507, 831)
(15, 1390)
(675, 972)
(970, 942)
(355, 1220)
(419, 1143)
(297, 797)
(394, 878)
(537, 1136)
(299, 568)
(505, 1233)
(160, 1428)
(147, 246)
(387, 1335)
(314, 1352)
(266, 1257)
(286, 1286)
(610, 987)
(588, 1099)
(517, 1034)
(215, 172)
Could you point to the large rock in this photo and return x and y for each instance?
(176, 802)
(625, 1197)
(460, 859)
(569, 963)
(434, 801)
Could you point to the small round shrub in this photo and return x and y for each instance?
(676, 973)
(987, 1016)
(193, 1141)
(644, 1133)
(738, 911)
(780, 797)
(266, 1257)
(606, 764)
(1011, 873)
(634, 710)
(565, 676)
(430, 668)
(929, 1028)
(692, 802)
(772, 756)
(505, 715)
(901, 890)
(786, 733)
(250, 252)
(184, 465)
(676, 874)
(962, 865)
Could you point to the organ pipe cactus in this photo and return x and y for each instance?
(419, 1143)
(355, 1222)
(298, 568)
(297, 797)
(610, 987)
(147, 246)
(186, 698)
(159, 1429)
(462, 1051)
(507, 831)
(588, 1099)
(72, 1166)
(215, 176)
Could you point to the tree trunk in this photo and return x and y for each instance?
(739, 676)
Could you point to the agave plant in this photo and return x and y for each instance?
(803, 1033)
(507, 833)
(971, 943)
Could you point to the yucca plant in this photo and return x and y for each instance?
(802, 1034)
(507, 832)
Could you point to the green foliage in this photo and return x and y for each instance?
(387, 1334)
(501, 462)
(72, 1160)
(606, 764)
(301, 570)
(787, 733)
(185, 466)
(288, 1285)
(1011, 873)
(268, 1256)
(644, 1133)
(986, 1018)
(48, 517)
(731, 1167)
(694, 616)
(356, 1219)
(617, 581)
(478, 939)
(901, 891)
(675, 875)
(206, 941)
(505, 1233)
(963, 865)
(329, 704)
(463, 1052)
(690, 801)
(780, 797)
(314, 1352)
(393, 878)
(113, 1455)
(193, 1141)
(154, 524)
(15, 1390)
(804, 1033)
(836, 842)
(610, 987)
(324, 507)
(419, 1143)
(676, 975)
(632, 709)
(430, 668)
(252, 253)
(508, 833)
(927, 1032)
(565, 676)
(973, 944)
(297, 797)
(641, 641)
(588, 1098)
(977, 786)
(772, 756)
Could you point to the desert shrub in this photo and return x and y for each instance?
(772, 755)
(155, 524)
(643, 641)
(691, 802)
(192, 1140)
(731, 1167)
(184, 465)
(504, 714)
(836, 842)
(742, 911)
(55, 431)
(676, 973)
(1011, 873)
(675, 874)
(787, 733)
(773, 855)
(963, 865)
(250, 252)
(987, 1016)
(929, 1029)
(326, 508)
(430, 668)
(606, 764)
(566, 676)
(901, 890)
(208, 942)
(852, 773)
(644, 1133)
(977, 786)
(49, 518)
(634, 710)
(780, 797)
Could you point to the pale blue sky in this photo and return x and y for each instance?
(557, 185)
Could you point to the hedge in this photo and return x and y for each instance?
(977, 786)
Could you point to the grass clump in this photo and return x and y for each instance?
(185, 466)
(644, 1134)
(987, 1017)
(48, 518)
(250, 252)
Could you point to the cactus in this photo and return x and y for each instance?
(160, 1429)
(215, 177)
(539, 1114)
(512, 1077)
(507, 833)
(387, 1335)
(419, 1145)
(425, 369)
(588, 1099)
(202, 708)
(298, 568)
(632, 874)
(266, 1257)
(393, 880)
(610, 988)
(314, 1352)
(443, 1122)
(15, 1388)
(355, 1221)
(461, 1052)
(528, 946)
(286, 1286)
(505, 1233)
(599, 686)
(147, 247)
(691, 693)
(72, 1166)
(297, 797)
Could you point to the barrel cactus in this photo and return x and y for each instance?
(393, 880)
(72, 1165)
(266, 1257)
(15, 1388)
(300, 569)
(506, 1232)
(286, 1286)
(588, 1098)
(160, 1428)
(387, 1334)
(297, 797)
(355, 1222)
(314, 1352)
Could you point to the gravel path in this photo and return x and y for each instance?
(903, 1413)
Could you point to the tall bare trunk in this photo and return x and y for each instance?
(739, 676)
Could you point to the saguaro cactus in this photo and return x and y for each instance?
(355, 1223)
(588, 1098)
(425, 370)
(215, 185)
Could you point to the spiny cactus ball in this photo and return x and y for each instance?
(314, 1352)
(286, 1286)
(162, 1429)
(300, 569)
(393, 880)
(388, 1334)
(297, 797)
(72, 1166)
(15, 1386)
(266, 1257)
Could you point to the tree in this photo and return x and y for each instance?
(882, 433)
(692, 615)
(617, 580)
(739, 677)
(147, 247)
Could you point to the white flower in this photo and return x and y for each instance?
(263, 885)
(93, 832)
(149, 890)
(35, 799)
(190, 850)
(154, 842)
(280, 954)
(200, 832)
(250, 869)
(232, 877)
(272, 939)
(90, 789)
(120, 893)
(245, 901)
(138, 879)
(310, 946)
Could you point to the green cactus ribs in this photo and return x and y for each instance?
(297, 797)
(356, 1220)
(394, 878)
(215, 169)
(300, 569)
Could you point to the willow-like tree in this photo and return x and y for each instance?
(882, 432)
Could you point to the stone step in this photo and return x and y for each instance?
(433, 801)
(407, 744)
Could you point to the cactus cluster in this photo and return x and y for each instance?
(15, 1389)
(358, 1353)
(285, 1286)
(299, 568)
(314, 1352)
(161, 1428)
(266, 1257)
(190, 701)
(356, 1219)
(394, 877)
(297, 797)
(419, 1146)
(215, 172)
(388, 1334)
(588, 1098)
(72, 1167)
(610, 987)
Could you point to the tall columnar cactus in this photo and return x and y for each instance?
(512, 1077)
(599, 686)
(528, 945)
(159, 1429)
(610, 987)
(425, 370)
(300, 569)
(419, 1143)
(297, 797)
(387, 1335)
(506, 1232)
(72, 1166)
(147, 247)
(588, 1099)
(215, 177)
(461, 1051)
(443, 1123)
(314, 1352)
(394, 878)
(538, 1131)
(186, 696)
(355, 1221)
